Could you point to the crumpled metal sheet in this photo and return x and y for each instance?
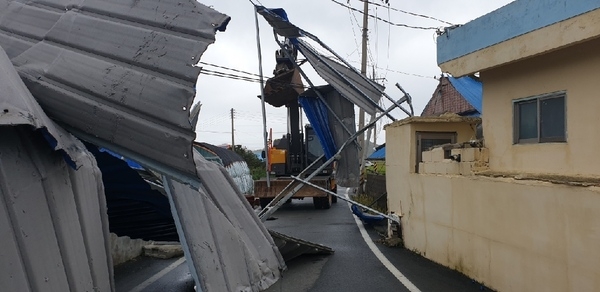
(228, 248)
(52, 217)
(345, 80)
(18, 107)
(121, 71)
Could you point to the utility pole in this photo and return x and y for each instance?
(363, 71)
(232, 131)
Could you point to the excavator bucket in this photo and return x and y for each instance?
(283, 88)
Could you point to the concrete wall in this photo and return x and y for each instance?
(512, 235)
(406, 135)
(575, 70)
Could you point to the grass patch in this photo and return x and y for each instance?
(367, 200)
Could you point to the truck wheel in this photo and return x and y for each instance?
(334, 198)
(327, 201)
(317, 202)
(265, 201)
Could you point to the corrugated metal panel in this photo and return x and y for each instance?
(18, 107)
(52, 217)
(350, 84)
(121, 71)
(234, 251)
(471, 89)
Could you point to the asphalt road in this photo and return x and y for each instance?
(353, 266)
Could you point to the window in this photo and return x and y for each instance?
(426, 140)
(540, 119)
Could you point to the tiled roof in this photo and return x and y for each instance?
(447, 97)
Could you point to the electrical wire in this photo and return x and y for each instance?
(227, 68)
(245, 78)
(408, 12)
(386, 21)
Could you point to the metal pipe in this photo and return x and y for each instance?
(344, 199)
(262, 96)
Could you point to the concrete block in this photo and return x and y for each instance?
(429, 167)
(456, 151)
(124, 248)
(421, 167)
(484, 155)
(426, 156)
(452, 168)
(475, 154)
(466, 168)
(437, 154)
(163, 251)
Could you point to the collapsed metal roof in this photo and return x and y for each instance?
(52, 217)
(121, 72)
(121, 75)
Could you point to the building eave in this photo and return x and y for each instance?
(502, 37)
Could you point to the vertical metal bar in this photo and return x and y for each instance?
(187, 253)
(363, 71)
(262, 96)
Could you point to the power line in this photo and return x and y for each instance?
(227, 68)
(408, 12)
(386, 21)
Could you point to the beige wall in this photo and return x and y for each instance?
(464, 127)
(511, 235)
(575, 70)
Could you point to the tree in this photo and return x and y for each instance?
(257, 167)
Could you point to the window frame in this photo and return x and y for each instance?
(425, 135)
(538, 99)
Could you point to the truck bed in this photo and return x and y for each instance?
(279, 183)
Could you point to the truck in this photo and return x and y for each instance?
(287, 157)
(297, 149)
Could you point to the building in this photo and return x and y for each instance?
(523, 212)
(461, 96)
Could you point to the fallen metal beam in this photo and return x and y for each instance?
(343, 198)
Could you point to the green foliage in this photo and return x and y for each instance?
(378, 167)
(368, 200)
(257, 167)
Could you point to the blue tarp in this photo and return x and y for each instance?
(470, 88)
(378, 155)
(317, 115)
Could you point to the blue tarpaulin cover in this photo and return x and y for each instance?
(470, 88)
(378, 154)
(317, 115)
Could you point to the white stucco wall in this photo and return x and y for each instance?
(512, 235)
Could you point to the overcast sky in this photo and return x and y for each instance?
(396, 55)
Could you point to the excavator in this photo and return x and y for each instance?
(299, 148)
